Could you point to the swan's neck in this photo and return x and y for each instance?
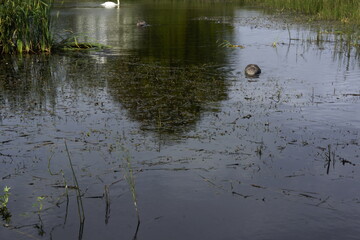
(118, 2)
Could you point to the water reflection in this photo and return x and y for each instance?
(166, 99)
(33, 83)
(170, 78)
(167, 74)
(27, 84)
(161, 98)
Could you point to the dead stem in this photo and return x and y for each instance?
(329, 157)
(78, 194)
(107, 200)
(129, 177)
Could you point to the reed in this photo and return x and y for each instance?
(81, 211)
(25, 26)
(130, 179)
(346, 11)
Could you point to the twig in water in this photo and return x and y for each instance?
(330, 157)
(107, 199)
(312, 95)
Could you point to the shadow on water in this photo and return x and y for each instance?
(167, 99)
(161, 98)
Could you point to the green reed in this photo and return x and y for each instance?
(25, 26)
(346, 11)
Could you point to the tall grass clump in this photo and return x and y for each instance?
(347, 11)
(25, 26)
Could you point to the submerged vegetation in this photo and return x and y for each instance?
(4, 199)
(25, 26)
(346, 11)
(130, 179)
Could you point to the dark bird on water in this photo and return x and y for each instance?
(252, 70)
(142, 24)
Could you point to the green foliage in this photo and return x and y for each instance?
(25, 26)
(129, 177)
(39, 203)
(227, 44)
(71, 43)
(4, 199)
(346, 11)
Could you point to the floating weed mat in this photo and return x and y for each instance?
(70, 41)
(72, 44)
(227, 44)
(25, 26)
(81, 46)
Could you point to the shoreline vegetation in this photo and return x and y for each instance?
(25, 25)
(344, 11)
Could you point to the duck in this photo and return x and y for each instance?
(141, 24)
(252, 70)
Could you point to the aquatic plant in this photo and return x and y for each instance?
(69, 41)
(39, 203)
(329, 158)
(4, 199)
(167, 99)
(39, 207)
(227, 44)
(130, 179)
(81, 211)
(346, 11)
(25, 26)
(129, 176)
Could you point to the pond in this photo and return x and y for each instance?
(163, 136)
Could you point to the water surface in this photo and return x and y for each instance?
(215, 155)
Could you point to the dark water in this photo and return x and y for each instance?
(214, 155)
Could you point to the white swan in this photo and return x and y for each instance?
(110, 4)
